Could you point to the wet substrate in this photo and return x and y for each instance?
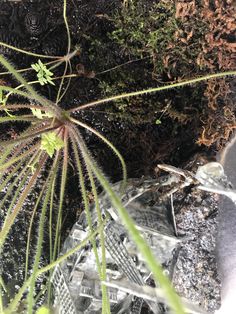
(195, 275)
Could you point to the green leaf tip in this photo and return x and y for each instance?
(50, 142)
(43, 310)
(3, 99)
(38, 113)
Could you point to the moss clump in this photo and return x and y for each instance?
(146, 44)
(145, 29)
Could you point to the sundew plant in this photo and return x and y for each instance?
(51, 143)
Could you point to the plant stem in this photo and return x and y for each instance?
(28, 52)
(112, 147)
(153, 90)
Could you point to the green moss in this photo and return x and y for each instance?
(145, 29)
(146, 44)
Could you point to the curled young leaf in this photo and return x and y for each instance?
(43, 74)
(50, 142)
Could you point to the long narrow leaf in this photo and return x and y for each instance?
(62, 192)
(86, 203)
(30, 226)
(16, 186)
(101, 270)
(28, 52)
(48, 186)
(51, 206)
(109, 144)
(23, 118)
(154, 266)
(154, 90)
(14, 159)
(11, 218)
(105, 300)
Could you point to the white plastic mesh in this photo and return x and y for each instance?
(63, 299)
